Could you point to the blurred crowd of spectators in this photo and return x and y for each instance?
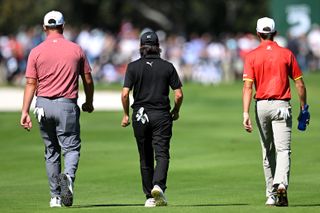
(198, 58)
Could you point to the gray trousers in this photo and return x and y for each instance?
(274, 120)
(60, 130)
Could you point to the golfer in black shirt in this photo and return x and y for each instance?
(151, 78)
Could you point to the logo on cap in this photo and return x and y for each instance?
(149, 38)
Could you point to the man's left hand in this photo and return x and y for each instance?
(87, 107)
(175, 115)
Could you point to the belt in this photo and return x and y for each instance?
(59, 99)
(272, 99)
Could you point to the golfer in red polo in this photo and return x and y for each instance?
(269, 67)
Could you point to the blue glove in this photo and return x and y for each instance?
(304, 118)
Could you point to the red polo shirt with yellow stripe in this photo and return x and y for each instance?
(269, 67)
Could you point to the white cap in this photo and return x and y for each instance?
(53, 18)
(264, 22)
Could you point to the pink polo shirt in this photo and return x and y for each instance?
(57, 63)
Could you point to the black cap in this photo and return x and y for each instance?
(149, 38)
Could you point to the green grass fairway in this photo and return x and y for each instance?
(215, 165)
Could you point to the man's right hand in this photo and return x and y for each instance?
(25, 121)
(125, 121)
(247, 122)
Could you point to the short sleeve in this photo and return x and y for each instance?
(85, 66)
(129, 78)
(248, 73)
(296, 72)
(31, 70)
(175, 82)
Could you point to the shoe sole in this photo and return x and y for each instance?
(150, 206)
(282, 198)
(55, 206)
(158, 196)
(271, 203)
(66, 194)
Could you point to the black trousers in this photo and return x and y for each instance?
(153, 140)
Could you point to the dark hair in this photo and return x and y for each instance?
(58, 28)
(149, 50)
(267, 36)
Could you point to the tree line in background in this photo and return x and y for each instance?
(175, 16)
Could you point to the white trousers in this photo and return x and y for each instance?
(274, 120)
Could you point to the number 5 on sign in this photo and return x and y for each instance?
(298, 17)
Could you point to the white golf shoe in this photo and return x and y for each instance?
(158, 195)
(150, 203)
(66, 186)
(55, 202)
(271, 201)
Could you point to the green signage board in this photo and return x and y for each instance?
(295, 17)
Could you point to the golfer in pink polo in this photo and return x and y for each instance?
(52, 74)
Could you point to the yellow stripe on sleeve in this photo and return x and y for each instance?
(247, 79)
(298, 78)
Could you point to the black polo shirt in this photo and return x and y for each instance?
(151, 79)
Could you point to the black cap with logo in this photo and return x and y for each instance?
(149, 38)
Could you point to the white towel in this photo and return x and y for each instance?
(39, 113)
(141, 116)
(283, 113)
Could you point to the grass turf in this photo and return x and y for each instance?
(215, 165)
